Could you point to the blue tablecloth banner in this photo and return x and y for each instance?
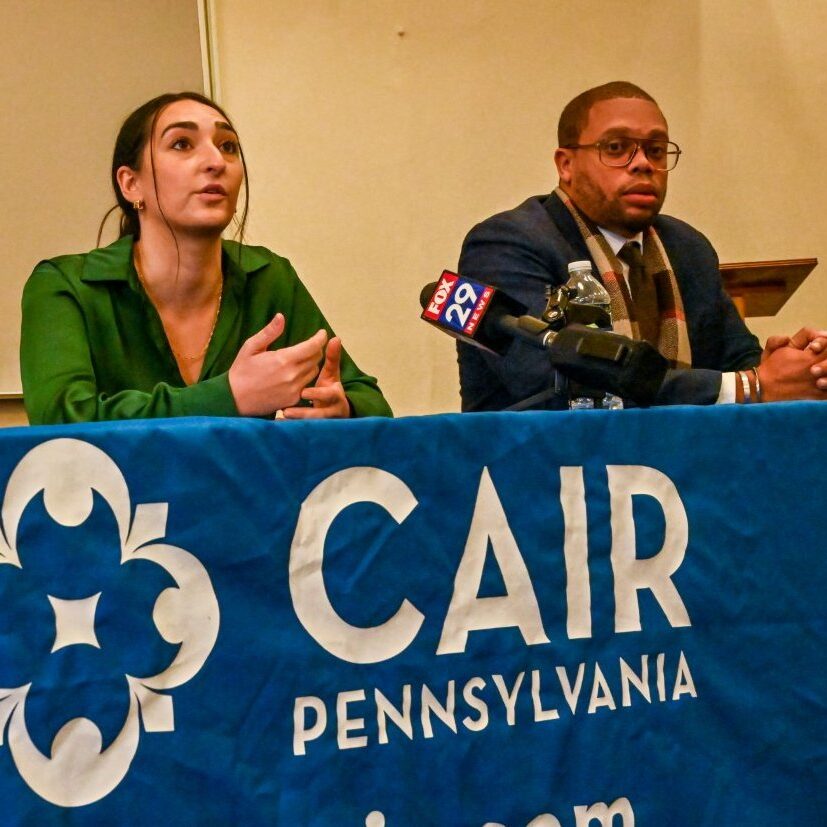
(547, 619)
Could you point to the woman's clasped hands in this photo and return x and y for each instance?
(265, 381)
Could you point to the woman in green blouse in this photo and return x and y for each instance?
(171, 320)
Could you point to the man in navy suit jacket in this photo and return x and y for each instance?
(523, 250)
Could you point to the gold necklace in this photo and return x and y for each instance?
(203, 351)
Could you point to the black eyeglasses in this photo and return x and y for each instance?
(618, 152)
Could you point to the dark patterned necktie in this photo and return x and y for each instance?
(644, 293)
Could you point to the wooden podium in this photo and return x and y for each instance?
(760, 288)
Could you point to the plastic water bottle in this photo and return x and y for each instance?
(588, 290)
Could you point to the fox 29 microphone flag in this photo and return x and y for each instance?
(546, 619)
(458, 306)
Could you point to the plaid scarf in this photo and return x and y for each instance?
(673, 338)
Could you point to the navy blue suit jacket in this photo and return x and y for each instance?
(523, 250)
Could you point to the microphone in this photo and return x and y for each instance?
(481, 315)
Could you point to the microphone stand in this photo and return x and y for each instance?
(590, 356)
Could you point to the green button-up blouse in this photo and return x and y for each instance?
(93, 346)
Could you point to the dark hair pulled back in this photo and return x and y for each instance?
(134, 134)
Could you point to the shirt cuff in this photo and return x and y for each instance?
(211, 397)
(726, 395)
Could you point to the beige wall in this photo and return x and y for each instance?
(378, 131)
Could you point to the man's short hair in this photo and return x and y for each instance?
(573, 118)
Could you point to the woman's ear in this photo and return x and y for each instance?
(127, 179)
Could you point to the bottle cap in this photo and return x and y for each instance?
(574, 266)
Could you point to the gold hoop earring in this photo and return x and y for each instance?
(138, 205)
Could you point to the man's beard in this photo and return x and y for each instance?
(615, 216)
(636, 225)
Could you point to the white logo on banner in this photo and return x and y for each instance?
(79, 771)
